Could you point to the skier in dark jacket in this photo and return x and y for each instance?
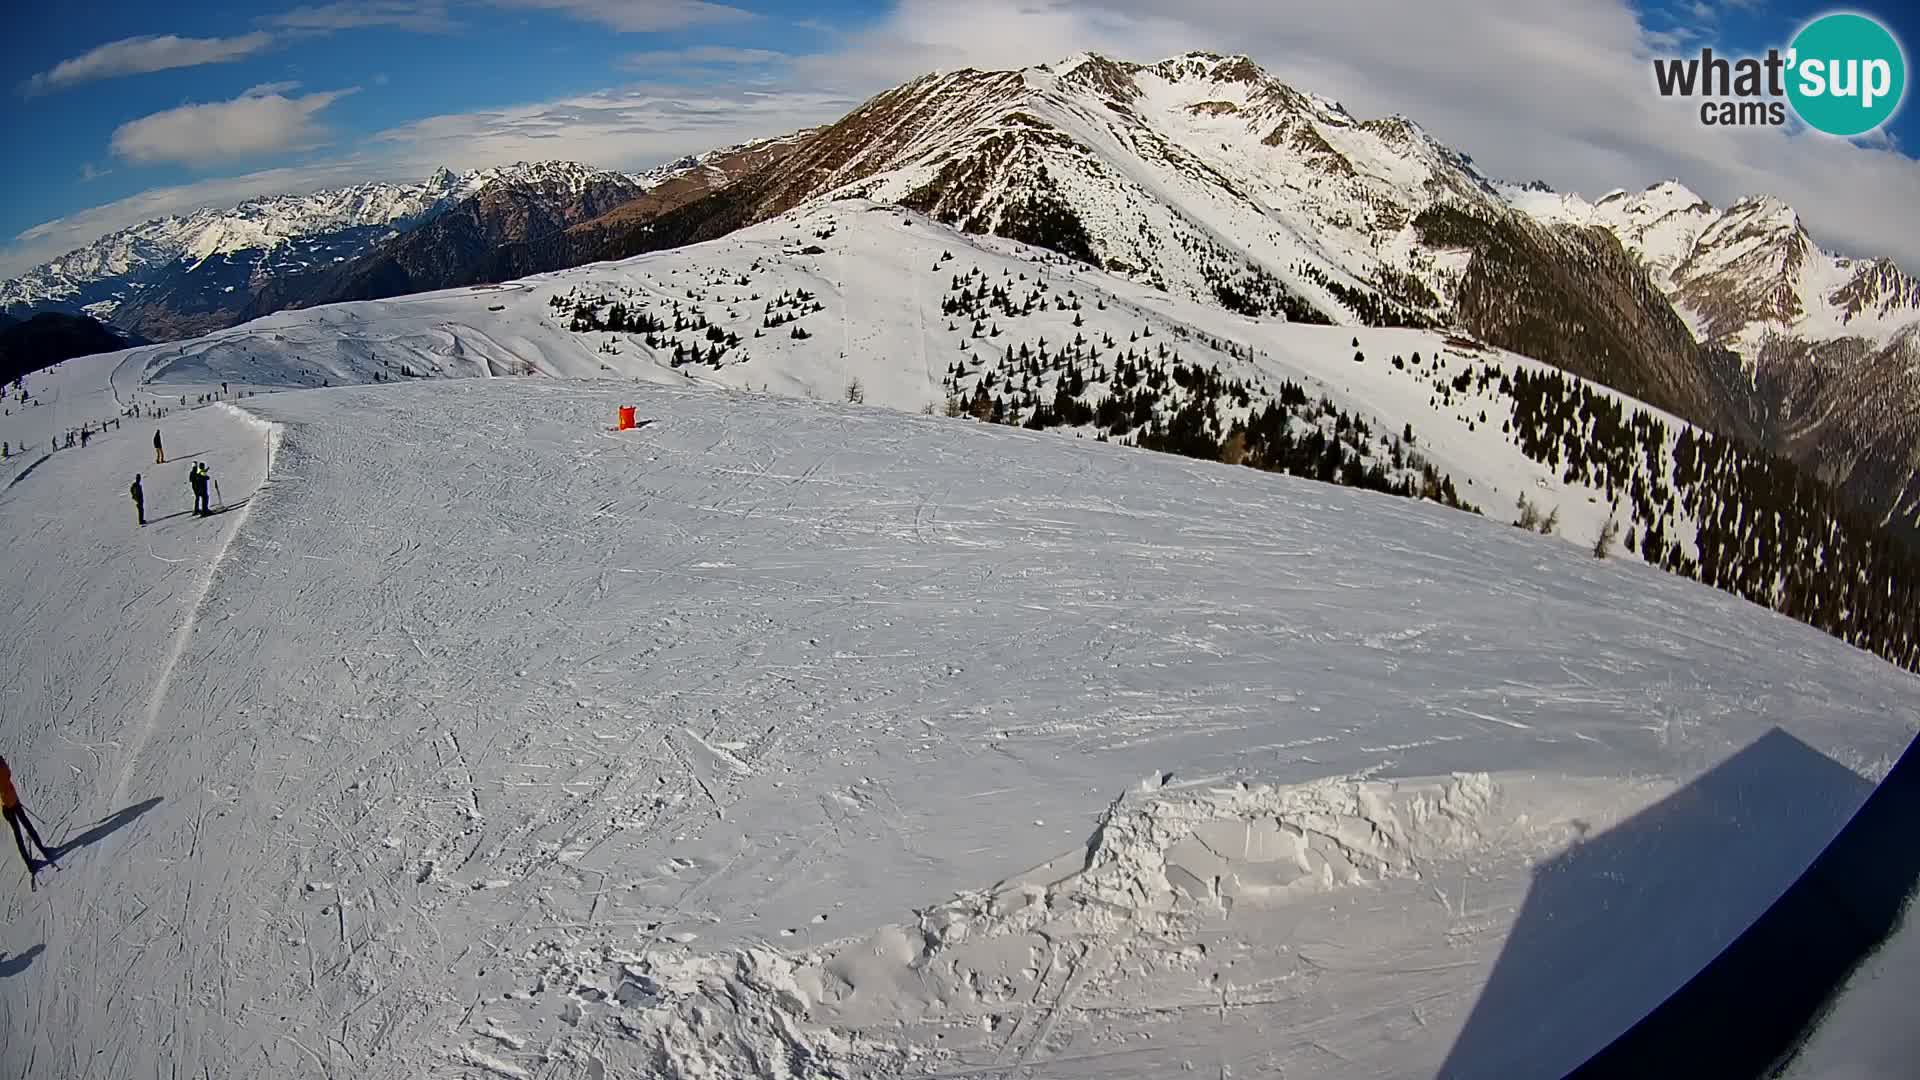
(17, 819)
(159, 455)
(139, 499)
(197, 479)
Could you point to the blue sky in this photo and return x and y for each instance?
(124, 110)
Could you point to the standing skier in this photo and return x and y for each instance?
(16, 816)
(197, 480)
(159, 455)
(139, 499)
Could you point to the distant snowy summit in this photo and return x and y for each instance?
(1745, 273)
(270, 235)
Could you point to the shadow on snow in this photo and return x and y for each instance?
(106, 827)
(14, 965)
(1625, 918)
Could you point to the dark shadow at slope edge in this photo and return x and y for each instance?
(1616, 924)
(1751, 1010)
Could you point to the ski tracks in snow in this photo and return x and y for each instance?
(470, 765)
(156, 703)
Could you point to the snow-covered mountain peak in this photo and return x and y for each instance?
(560, 177)
(106, 273)
(1210, 67)
(1758, 215)
(1670, 193)
(1742, 273)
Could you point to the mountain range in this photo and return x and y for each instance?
(1200, 176)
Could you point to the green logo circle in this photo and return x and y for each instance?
(1848, 74)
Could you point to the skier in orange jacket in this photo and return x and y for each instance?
(16, 816)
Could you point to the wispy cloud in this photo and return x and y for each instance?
(254, 123)
(88, 173)
(638, 16)
(140, 55)
(700, 56)
(631, 127)
(424, 16)
(1672, 40)
(263, 89)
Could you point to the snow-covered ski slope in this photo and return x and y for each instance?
(782, 739)
(877, 283)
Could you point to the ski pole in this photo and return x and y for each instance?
(217, 495)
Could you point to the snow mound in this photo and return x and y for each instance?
(1161, 865)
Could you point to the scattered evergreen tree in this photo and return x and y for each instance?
(1609, 532)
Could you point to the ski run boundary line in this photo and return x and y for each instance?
(180, 636)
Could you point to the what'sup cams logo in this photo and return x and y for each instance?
(1844, 74)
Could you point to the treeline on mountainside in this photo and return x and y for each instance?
(1142, 392)
(1769, 530)
(683, 333)
(1574, 298)
(1153, 399)
(1765, 529)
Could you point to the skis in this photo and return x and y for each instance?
(33, 873)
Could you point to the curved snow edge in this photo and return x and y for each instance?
(1161, 863)
(272, 431)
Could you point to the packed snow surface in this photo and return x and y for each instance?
(783, 739)
(877, 280)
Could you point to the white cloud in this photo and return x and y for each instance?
(1671, 41)
(626, 128)
(88, 173)
(926, 35)
(638, 16)
(263, 89)
(139, 55)
(255, 123)
(700, 55)
(424, 16)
